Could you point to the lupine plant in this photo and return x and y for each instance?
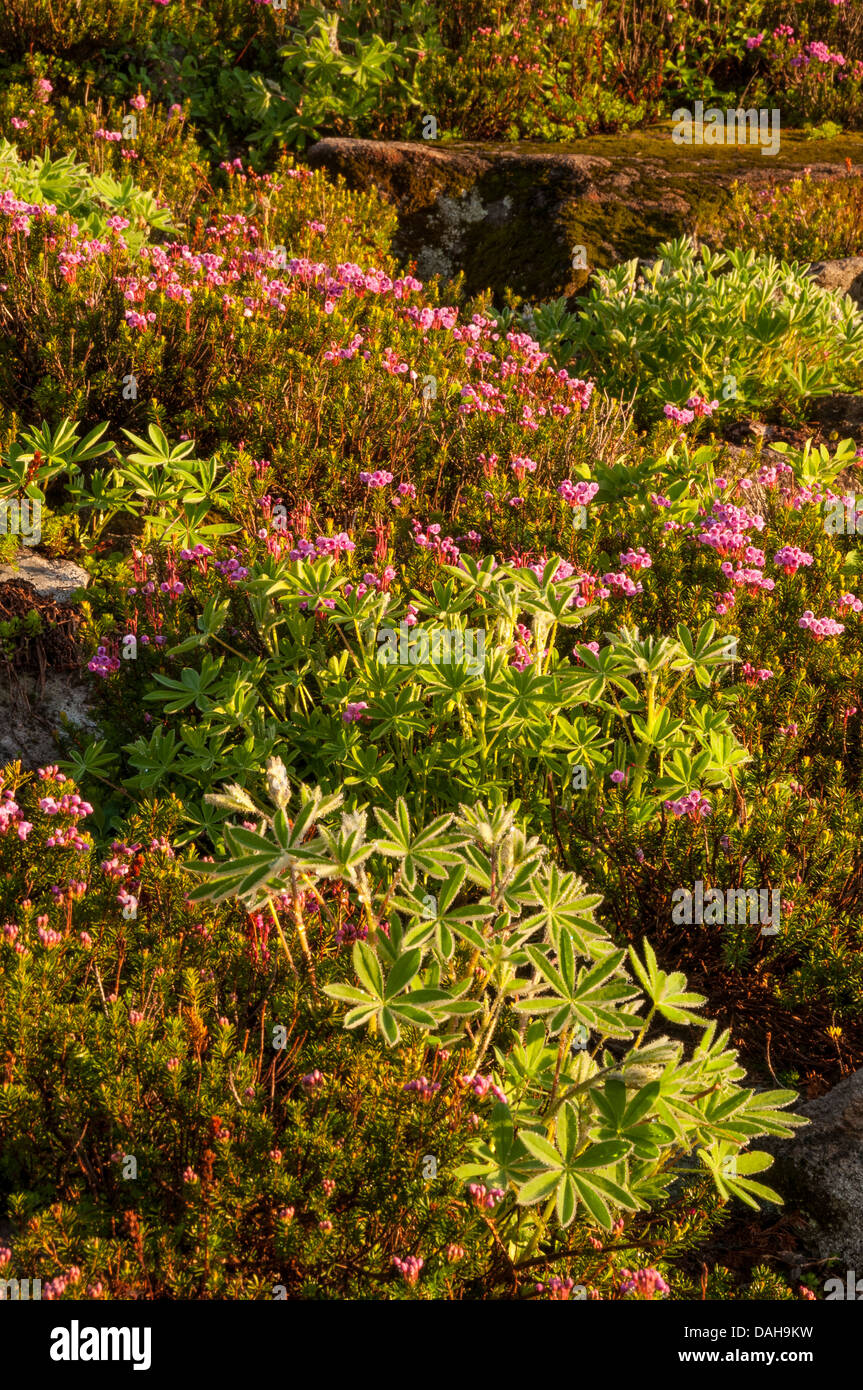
(747, 329)
(595, 1124)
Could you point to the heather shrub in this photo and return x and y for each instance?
(109, 149)
(805, 220)
(212, 1130)
(660, 654)
(89, 201)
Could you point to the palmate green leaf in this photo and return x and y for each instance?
(402, 973)
(541, 1149)
(362, 1014)
(368, 969)
(389, 1027)
(593, 1200)
(564, 906)
(411, 1013)
(431, 852)
(730, 1168)
(567, 1200)
(349, 994)
(539, 1188)
(601, 1155)
(667, 992)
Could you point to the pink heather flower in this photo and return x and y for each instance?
(380, 478)
(409, 1268)
(18, 124)
(354, 712)
(635, 559)
(755, 41)
(139, 102)
(622, 581)
(693, 805)
(617, 776)
(680, 417)
(559, 1290)
(577, 494)
(850, 601)
(700, 407)
(312, 1079)
(521, 464)
(753, 676)
(189, 1175)
(483, 1197)
(789, 558)
(454, 1253)
(820, 627)
(423, 1087)
(644, 1283)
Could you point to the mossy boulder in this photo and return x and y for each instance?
(820, 1172)
(538, 219)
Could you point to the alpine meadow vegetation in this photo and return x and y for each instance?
(462, 676)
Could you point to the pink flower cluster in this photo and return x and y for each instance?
(559, 1290)
(577, 494)
(635, 559)
(628, 587)
(444, 548)
(354, 712)
(103, 664)
(751, 579)
(380, 478)
(645, 1283)
(693, 805)
(11, 816)
(701, 408)
(820, 627)
(481, 1087)
(752, 676)
(424, 1088)
(678, 415)
(484, 1197)
(409, 1268)
(850, 601)
(790, 558)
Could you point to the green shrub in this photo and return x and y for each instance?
(745, 329)
(805, 220)
(183, 1115)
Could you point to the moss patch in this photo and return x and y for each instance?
(513, 216)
